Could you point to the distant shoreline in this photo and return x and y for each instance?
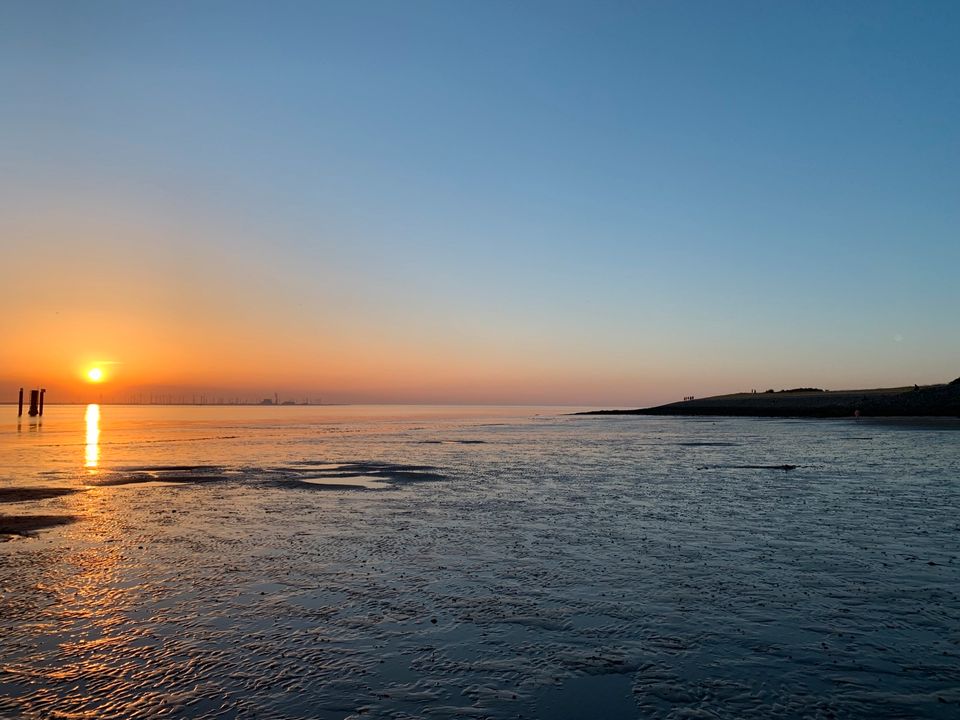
(184, 404)
(910, 401)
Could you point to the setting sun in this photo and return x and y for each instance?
(95, 374)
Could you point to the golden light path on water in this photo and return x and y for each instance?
(93, 436)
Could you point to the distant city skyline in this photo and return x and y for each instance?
(573, 203)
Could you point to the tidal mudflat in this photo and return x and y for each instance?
(501, 563)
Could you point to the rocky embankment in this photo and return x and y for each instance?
(912, 401)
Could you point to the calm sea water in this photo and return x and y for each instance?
(404, 562)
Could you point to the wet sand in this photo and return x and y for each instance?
(22, 525)
(642, 567)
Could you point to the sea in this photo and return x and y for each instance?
(408, 562)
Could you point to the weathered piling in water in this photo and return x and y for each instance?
(34, 403)
(43, 391)
(20, 404)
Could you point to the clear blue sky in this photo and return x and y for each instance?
(585, 202)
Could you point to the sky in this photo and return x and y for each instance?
(593, 203)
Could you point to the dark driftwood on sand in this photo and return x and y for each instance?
(913, 401)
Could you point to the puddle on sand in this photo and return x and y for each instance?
(160, 475)
(172, 468)
(322, 465)
(321, 474)
(346, 481)
(371, 475)
(116, 480)
(137, 484)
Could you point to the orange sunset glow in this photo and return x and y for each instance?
(545, 360)
(341, 270)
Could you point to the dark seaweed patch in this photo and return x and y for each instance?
(12, 495)
(452, 442)
(708, 444)
(783, 467)
(26, 524)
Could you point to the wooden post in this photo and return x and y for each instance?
(34, 402)
(42, 393)
(20, 408)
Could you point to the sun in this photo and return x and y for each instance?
(95, 374)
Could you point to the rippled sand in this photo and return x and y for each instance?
(455, 566)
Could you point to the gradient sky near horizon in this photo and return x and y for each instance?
(601, 203)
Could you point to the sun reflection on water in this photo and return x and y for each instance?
(93, 436)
